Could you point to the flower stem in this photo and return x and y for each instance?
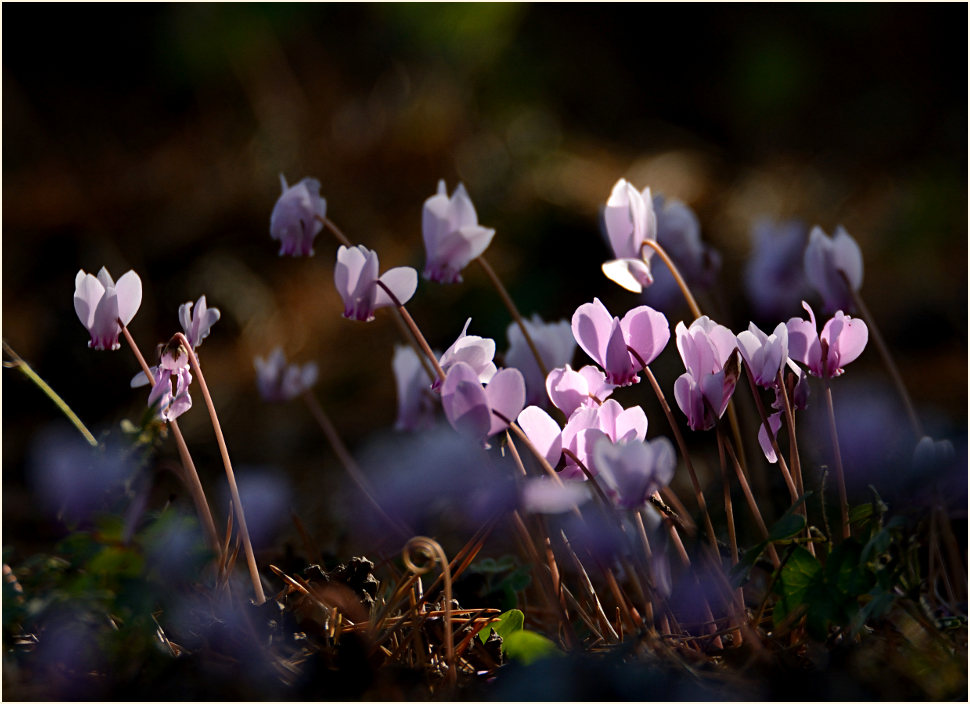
(190, 474)
(753, 505)
(339, 449)
(227, 463)
(890, 364)
(335, 231)
(839, 473)
(507, 300)
(415, 331)
(655, 246)
(792, 490)
(698, 492)
(25, 369)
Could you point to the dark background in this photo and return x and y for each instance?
(151, 137)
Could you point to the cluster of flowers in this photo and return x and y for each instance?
(600, 438)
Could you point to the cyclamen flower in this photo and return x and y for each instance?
(765, 355)
(630, 221)
(100, 303)
(774, 277)
(545, 495)
(679, 233)
(171, 388)
(568, 389)
(708, 352)
(415, 402)
(480, 411)
(798, 397)
(196, 328)
(452, 235)
(606, 339)
(555, 344)
(357, 283)
(279, 381)
(841, 341)
(294, 221)
(584, 427)
(631, 471)
(833, 266)
(477, 352)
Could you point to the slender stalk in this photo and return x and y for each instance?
(792, 490)
(19, 364)
(753, 505)
(190, 474)
(728, 507)
(698, 492)
(796, 462)
(347, 460)
(507, 300)
(415, 331)
(888, 361)
(684, 289)
(227, 463)
(839, 473)
(335, 231)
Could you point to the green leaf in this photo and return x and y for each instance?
(527, 646)
(116, 562)
(787, 526)
(511, 621)
(797, 577)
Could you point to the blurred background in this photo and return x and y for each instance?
(152, 136)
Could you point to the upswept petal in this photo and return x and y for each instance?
(774, 421)
(464, 402)
(543, 432)
(88, 292)
(592, 325)
(129, 296)
(846, 338)
(402, 281)
(848, 256)
(506, 396)
(647, 331)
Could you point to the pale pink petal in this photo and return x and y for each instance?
(402, 282)
(464, 402)
(129, 296)
(647, 331)
(506, 396)
(592, 325)
(543, 432)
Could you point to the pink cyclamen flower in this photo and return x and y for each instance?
(101, 303)
(568, 389)
(609, 340)
(797, 386)
(481, 411)
(452, 235)
(584, 427)
(415, 402)
(556, 347)
(170, 392)
(294, 221)
(279, 381)
(196, 327)
(765, 355)
(833, 267)
(630, 220)
(633, 470)
(708, 352)
(545, 495)
(842, 340)
(477, 352)
(357, 283)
